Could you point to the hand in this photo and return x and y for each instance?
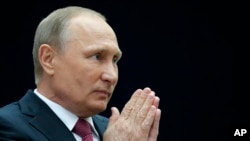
(138, 121)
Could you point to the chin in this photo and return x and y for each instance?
(100, 108)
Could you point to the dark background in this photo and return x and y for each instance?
(183, 49)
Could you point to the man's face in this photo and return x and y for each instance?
(86, 71)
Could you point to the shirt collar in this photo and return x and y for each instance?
(67, 117)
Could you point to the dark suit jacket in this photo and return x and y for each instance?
(30, 119)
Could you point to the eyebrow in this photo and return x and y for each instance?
(103, 49)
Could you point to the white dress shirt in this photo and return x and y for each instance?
(67, 117)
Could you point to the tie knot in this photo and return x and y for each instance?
(83, 129)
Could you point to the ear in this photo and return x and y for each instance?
(46, 56)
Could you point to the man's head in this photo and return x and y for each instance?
(75, 56)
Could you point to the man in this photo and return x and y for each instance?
(75, 57)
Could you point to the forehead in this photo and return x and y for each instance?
(86, 27)
(91, 24)
(92, 33)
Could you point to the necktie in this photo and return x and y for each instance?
(83, 129)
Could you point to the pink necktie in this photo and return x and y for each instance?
(83, 129)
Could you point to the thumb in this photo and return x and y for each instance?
(114, 116)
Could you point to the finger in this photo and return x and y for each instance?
(154, 132)
(142, 113)
(127, 110)
(114, 116)
(149, 119)
(156, 101)
(140, 102)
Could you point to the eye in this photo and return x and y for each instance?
(96, 56)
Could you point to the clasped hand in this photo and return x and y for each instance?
(139, 119)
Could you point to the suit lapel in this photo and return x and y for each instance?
(44, 118)
(101, 124)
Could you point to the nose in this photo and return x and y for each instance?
(110, 73)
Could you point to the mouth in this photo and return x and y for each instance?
(105, 93)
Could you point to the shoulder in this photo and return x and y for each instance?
(9, 110)
(9, 119)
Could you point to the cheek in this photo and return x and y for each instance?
(87, 76)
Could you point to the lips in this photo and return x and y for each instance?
(104, 92)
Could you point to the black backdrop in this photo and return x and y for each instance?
(183, 50)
